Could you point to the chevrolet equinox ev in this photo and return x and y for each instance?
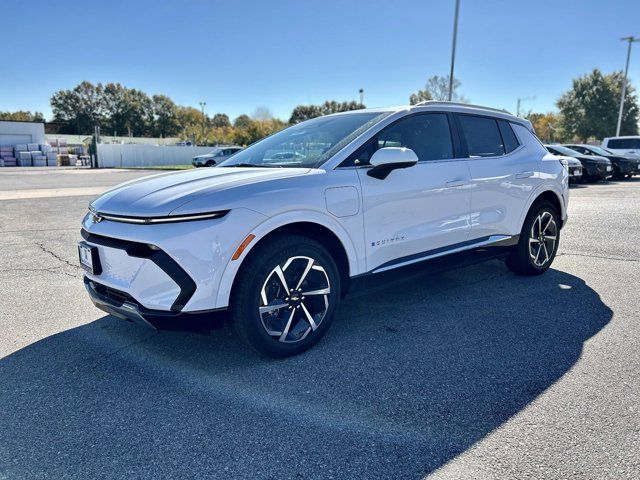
(276, 233)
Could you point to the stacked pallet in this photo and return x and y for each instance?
(7, 158)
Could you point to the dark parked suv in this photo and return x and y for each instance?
(623, 165)
(593, 167)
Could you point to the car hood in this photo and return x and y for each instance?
(593, 159)
(623, 158)
(160, 195)
(205, 155)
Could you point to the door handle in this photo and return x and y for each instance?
(524, 175)
(455, 184)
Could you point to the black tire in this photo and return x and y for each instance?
(257, 272)
(520, 259)
(210, 163)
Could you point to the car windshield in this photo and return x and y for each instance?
(308, 144)
(564, 150)
(599, 151)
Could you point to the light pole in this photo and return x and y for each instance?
(624, 81)
(453, 48)
(520, 100)
(361, 92)
(202, 105)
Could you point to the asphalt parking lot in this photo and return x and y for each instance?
(474, 373)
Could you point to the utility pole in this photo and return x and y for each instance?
(361, 92)
(630, 40)
(202, 105)
(520, 100)
(453, 48)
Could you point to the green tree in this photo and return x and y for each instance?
(22, 116)
(437, 88)
(82, 108)
(305, 112)
(220, 120)
(165, 116)
(590, 108)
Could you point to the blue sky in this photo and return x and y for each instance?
(240, 55)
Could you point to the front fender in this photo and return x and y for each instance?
(356, 261)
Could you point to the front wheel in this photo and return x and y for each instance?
(538, 242)
(285, 295)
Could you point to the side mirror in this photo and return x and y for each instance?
(387, 159)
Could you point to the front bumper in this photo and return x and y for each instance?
(124, 306)
(173, 267)
(629, 168)
(598, 170)
(575, 173)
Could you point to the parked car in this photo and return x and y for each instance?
(623, 165)
(216, 156)
(574, 167)
(278, 244)
(594, 168)
(622, 145)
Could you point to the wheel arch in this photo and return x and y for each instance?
(329, 234)
(551, 196)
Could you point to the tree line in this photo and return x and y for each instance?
(587, 111)
(122, 111)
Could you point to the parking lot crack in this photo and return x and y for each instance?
(57, 257)
(48, 270)
(604, 257)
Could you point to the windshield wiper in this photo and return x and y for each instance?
(244, 165)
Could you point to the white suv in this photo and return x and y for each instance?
(276, 239)
(622, 145)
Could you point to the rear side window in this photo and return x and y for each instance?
(482, 136)
(509, 139)
(624, 143)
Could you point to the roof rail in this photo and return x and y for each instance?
(461, 104)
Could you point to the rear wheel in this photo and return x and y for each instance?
(285, 295)
(538, 242)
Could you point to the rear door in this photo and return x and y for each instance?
(420, 210)
(503, 174)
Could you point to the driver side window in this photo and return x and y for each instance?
(427, 134)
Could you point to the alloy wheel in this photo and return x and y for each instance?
(542, 239)
(294, 299)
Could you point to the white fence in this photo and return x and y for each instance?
(127, 155)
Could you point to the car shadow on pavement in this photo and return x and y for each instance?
(410, 376)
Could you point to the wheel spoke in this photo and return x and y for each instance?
(546, 253)
(307, 269)
(535, 260)
(550, 237)
(548, 224)
(285, 332)
(312, 323)
(271, 308)
(280, 275)
(539, 224)
(534, 240)
(322, 291)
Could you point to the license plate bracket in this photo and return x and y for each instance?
(89, 258)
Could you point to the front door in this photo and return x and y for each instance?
(417, 211)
